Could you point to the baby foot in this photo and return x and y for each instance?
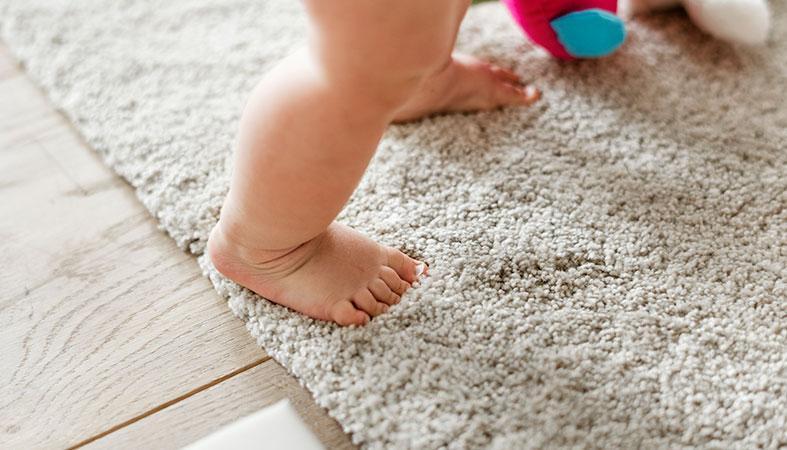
(467, 84)
(340, 275)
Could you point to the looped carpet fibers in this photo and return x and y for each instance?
(608, 267)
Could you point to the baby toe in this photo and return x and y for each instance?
(365, 301)
(382, 292)
(391, 278)
(344, 314)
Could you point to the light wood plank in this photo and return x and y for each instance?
(101, 317)
(8, 66)
(104, 324)
(201, 414)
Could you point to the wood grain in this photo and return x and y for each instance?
(102, 317)
(105, 326)
(199, 415)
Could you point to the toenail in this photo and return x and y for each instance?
(385, 308)
(420, 268)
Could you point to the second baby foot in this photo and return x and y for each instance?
(467, 84)
(340, 276)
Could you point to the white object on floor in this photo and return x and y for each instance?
(275, 427)
(741, 21)
(736, 21)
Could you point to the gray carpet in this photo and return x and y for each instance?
(608, 268)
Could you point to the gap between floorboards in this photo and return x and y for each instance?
(169, 403)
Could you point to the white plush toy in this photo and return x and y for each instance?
(735, 21)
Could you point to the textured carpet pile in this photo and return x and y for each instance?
(608, 267)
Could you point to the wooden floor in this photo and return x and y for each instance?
(109, 335)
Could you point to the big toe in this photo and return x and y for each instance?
(505, 94)
(408, 269)
(492, 87)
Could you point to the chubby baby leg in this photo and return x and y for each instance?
(306, 137)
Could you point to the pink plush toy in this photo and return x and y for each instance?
(571, 28)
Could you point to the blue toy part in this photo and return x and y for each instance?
(590, 33)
